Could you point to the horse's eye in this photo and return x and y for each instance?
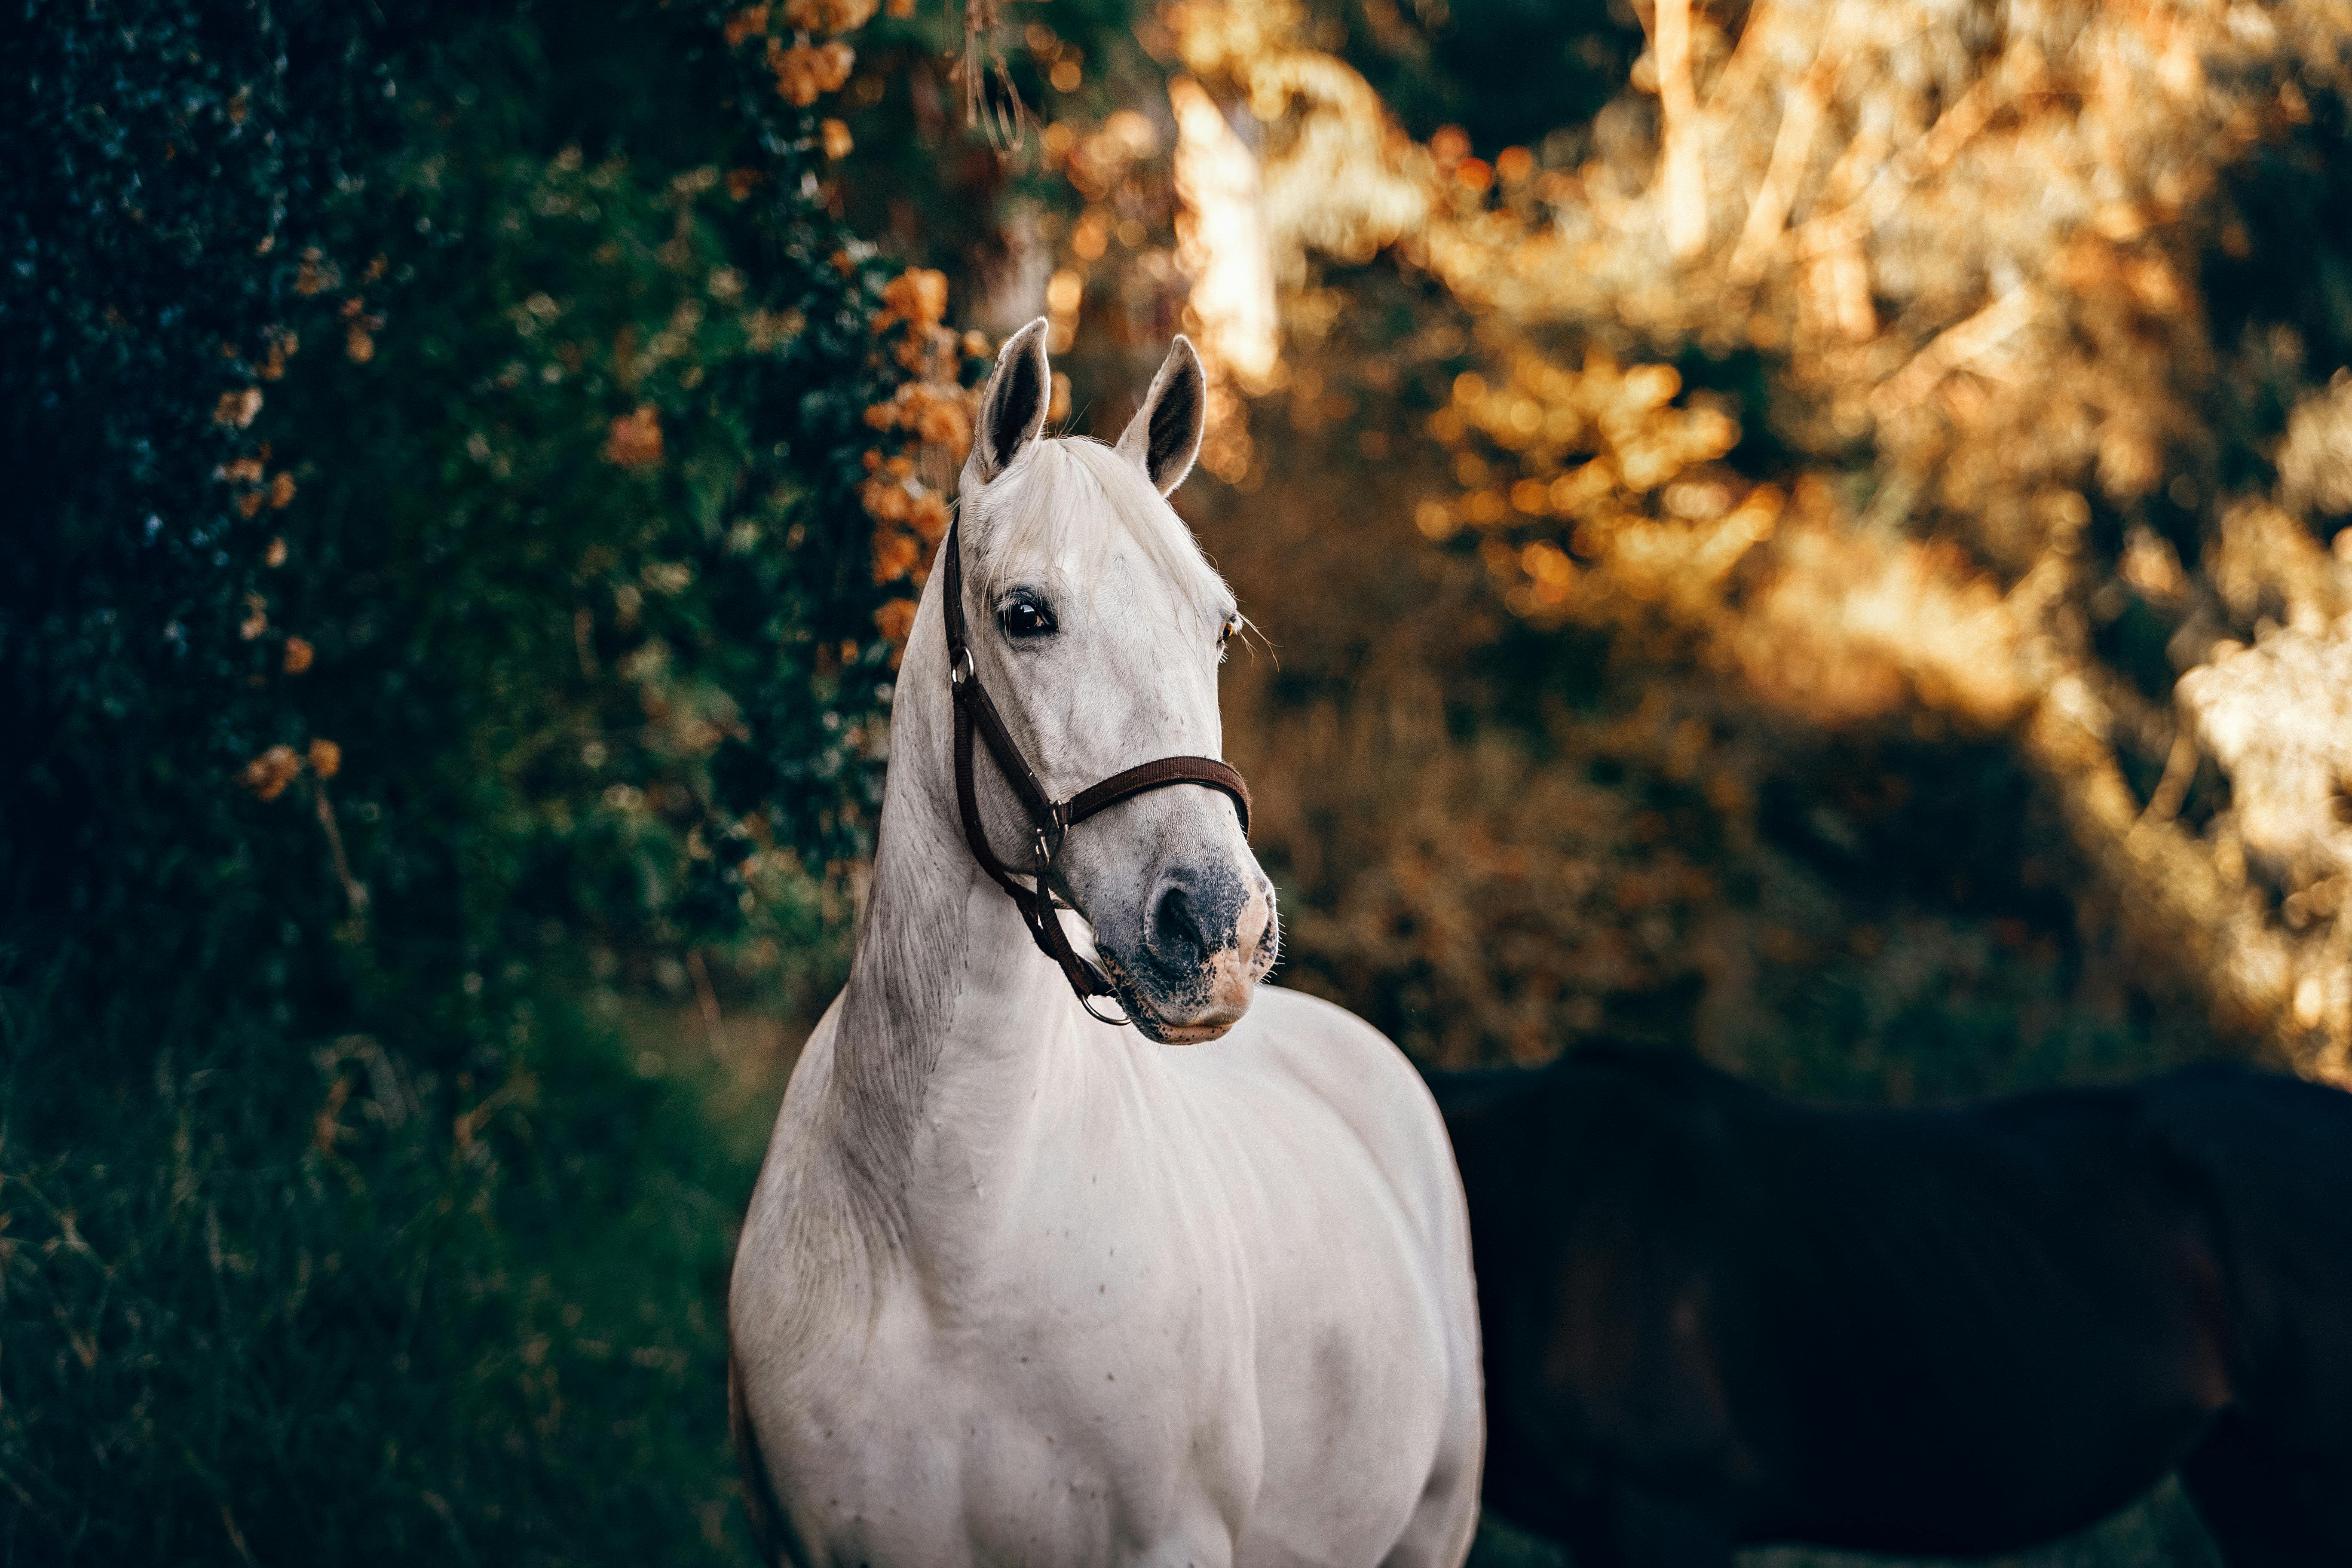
(1225, 633)
(1026, 618)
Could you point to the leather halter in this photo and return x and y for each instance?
(1049, 819)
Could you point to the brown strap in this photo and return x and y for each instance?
(1049, 819)
(1037, 904)
(1156, 776)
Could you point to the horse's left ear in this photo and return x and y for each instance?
(1013, 407)
(1164, 437)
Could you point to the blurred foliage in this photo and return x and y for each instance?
(1493, 836)
(1960, 372)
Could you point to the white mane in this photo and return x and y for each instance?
(1045, 510)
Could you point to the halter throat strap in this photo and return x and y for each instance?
(1049, 819)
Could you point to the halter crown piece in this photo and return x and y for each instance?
(1049, 819)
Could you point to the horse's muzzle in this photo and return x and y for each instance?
(1209, 935)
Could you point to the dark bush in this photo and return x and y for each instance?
(435, 587)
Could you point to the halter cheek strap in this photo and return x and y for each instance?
(1049, 819)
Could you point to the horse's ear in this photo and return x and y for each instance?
(1164, 437)
(1013, 409)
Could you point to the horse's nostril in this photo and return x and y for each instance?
(1176, 926)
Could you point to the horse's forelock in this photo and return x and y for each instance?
(1063, 501)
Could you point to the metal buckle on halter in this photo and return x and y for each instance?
(960, 668)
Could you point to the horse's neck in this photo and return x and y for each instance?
(951, 1016)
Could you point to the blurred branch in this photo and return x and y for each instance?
(1682, 176)
(713, 1026)
(982, 64)
(2179, 768)
(1793, 144)
(355, 893)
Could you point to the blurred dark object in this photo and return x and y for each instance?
(1714, 1317)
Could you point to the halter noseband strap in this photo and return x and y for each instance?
(1049, 819)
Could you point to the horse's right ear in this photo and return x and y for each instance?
(1163, 439)
(1013, 409)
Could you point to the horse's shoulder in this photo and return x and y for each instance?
(1343, 1057)
(1361, 1075)
(1305, 1033)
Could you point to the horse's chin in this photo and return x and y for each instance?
(1196, 1032)
(1212, 1000)
(1225, 991)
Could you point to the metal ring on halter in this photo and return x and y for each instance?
(1048, 908)
(960, 668)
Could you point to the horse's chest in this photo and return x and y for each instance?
(1027, 1418)
(1102, 1341)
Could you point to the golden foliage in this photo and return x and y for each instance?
(267, 774)
(1600, 457)
(315, 273)
(1966, 246)
(804, 71)
(742, 25)
(829, 15)
(635, 440)
(238, 408)
(282, 345)
(932, 412)
(2316, 464)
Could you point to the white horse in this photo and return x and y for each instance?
(1016, 1288)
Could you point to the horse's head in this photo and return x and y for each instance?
(1098, 626)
